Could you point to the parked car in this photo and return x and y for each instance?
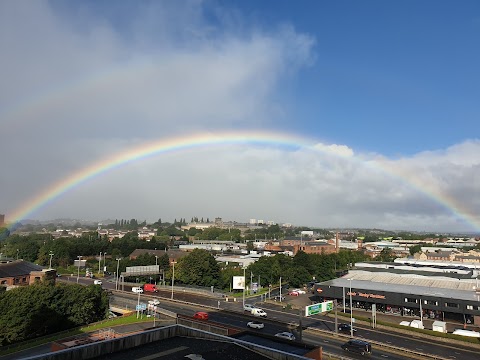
(345, 328)
(259, 312)
(286, 335)
(300, 291)
(293, 293)
(255, 325)
(97, 282)
(154, 302)
(358, 346)
(200, 315)
(137, 290)
(249, 307)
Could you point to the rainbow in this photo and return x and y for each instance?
(226, 138)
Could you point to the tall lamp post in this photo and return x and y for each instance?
(17, 253)
(78, 270)
(351, 309)
(173, 276)
(156, 264)
(51, 255)
(244, 288)
(99, 262)
(118, 267)
(104, 262)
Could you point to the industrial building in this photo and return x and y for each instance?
(398, 290)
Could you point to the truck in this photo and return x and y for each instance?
(150, 288)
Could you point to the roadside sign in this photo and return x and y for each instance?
(138, 307)
(143, 306)
(318, 308)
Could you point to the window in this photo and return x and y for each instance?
(469, 307)
(430, 302)
(411, 300)
(452, 305)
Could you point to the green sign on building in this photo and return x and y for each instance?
(318, 308)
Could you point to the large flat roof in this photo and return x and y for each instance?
(413, 285)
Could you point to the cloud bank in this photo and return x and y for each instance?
(79, 85)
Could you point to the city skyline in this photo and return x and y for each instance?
(356, 116)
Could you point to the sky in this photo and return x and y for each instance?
(358, 114)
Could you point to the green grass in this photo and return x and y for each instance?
(122, 320)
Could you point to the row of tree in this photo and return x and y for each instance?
(40, 309)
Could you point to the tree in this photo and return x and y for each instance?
(386, 255)
(198, 268)
(415, 249)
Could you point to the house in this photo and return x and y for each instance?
(19, 272)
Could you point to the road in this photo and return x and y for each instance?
(321, 328)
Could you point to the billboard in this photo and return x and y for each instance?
(238, 283)
(141, 270)
(318, 308)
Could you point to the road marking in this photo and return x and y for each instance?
(385, 356)
(418, 349)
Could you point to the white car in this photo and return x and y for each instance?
(299, 291)
(286, 335)
(97, 282)
(255, 325)
(137, 290)
(154, 302)
(259, 312)
(249, 307)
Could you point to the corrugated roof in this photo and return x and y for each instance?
(408, 284)
(18, 268)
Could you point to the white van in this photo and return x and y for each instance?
(137, 290)
(259, 312)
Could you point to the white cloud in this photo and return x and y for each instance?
(77, 89)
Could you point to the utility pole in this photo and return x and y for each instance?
(78, 270)
(251, 280)
(336, 316)
(118, 275)
(244, 288)
(99, 262)
(51, 255)
(280, 289)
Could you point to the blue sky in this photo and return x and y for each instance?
(385, 92)
(390, 76)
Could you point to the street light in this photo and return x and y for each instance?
(99, 262)
(244, 288)
(156, 264)
(118, 266)
(351, 309)
(104, 261)
(78, 270)
(173, 276)
(51, 255)
(17, 253)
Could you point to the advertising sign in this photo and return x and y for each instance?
(318, 308)
(238, 283)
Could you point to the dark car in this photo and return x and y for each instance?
(358, 346)
(345, 328)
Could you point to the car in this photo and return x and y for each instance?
(300, 291)
(293, 293)
(345, 328)
(137, 290)
(154, 302)
(200, 315)
(286, 335)
(255, 325)
(249, 307)
(259, 312)
(97, 282)
(358, 346)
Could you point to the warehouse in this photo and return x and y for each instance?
(433, 295)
